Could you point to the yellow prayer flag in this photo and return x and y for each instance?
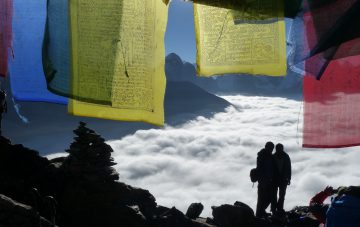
(238, 41)
(118, 57)
(249, 9)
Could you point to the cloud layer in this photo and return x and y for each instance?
(208, 160)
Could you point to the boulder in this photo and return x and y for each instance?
(14, 214)
(246, 208)
(232, 215)
(175, 218)
(22, 169)
(4, 140)
(194, 210)
(206, 222)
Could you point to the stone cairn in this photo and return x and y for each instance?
(90, 157)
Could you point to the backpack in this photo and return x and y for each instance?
(254, 175)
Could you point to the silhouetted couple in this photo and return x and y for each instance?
(274, 175)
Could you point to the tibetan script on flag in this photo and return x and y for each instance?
(238, 41)
(118, 57)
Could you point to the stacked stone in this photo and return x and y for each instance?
(90, 157)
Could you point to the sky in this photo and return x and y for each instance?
(180, 33)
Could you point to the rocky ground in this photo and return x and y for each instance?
(83, 189)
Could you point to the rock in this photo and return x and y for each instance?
(78, 190)
(230, 215)
(92, 203)
(22, 169)
(94, 214)
(206, 222)
(261, 222)
(175, 218)
(171, 218)
(194, 210)
(14, 214)
(210, 221)
(160, 210)
(246, 208)
(90, 157)
(4, 140)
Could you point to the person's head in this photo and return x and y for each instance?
(269, 146)
(279, 147)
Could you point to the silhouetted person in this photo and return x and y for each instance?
(282, 175)
(3, 106)
(265, 168)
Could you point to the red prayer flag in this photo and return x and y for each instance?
(331, 109)
(322, 32)
(5, 34)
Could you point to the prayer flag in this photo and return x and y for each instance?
(254, 7)
(238, 41)
(56, 48)
(335, 24)
(331, 110)
(117, 59)
(329, 31)
(26, 72)
(5, 34)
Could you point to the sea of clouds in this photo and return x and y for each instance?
(208, 160)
